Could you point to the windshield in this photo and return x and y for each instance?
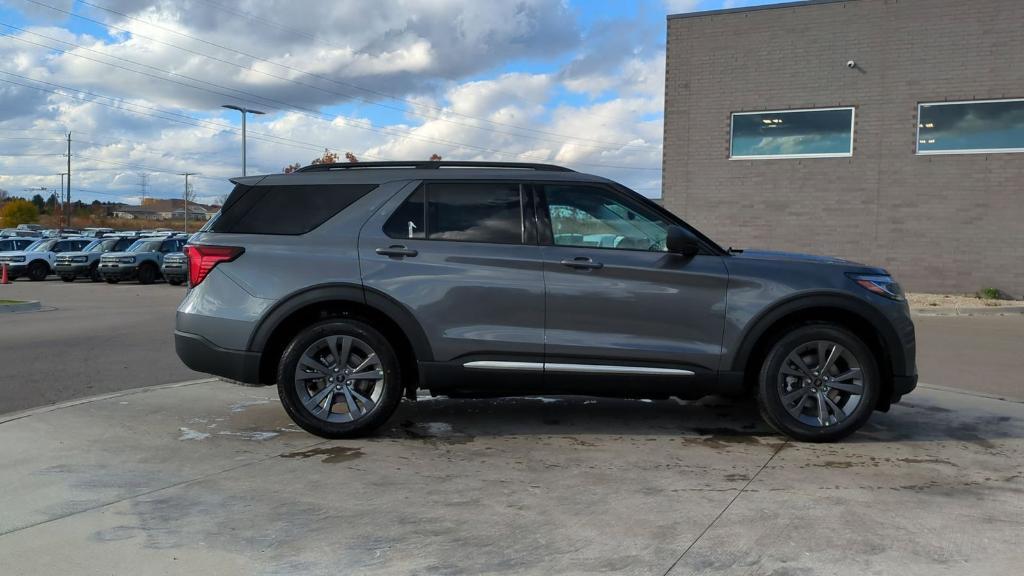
(43, 245)
(145, 246)
(101, 245)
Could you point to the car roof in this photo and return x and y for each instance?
(381, 172)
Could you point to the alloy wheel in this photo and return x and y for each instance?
(821, 383)
(339, 379)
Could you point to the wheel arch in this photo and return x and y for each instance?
(866, 323)
(280, 324)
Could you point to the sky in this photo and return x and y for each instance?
(140, 85)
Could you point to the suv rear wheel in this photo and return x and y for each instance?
(339, 379)
(818, 383)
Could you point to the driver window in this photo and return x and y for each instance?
(598, 218)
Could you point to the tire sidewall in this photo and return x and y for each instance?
(771, 403)
(35, 276)
(146, 274)
(389, 399)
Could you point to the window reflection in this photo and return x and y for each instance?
(825, 132)
(971, 127)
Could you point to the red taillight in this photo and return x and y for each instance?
(202, 259)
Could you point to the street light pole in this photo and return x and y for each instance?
(245, 112)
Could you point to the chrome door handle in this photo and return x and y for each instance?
(582, 263)
(397, 252)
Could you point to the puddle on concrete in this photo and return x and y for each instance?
(331, 455)
(440, 432)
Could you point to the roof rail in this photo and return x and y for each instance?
(433, 165)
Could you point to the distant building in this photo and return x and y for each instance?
(165, 209)
(889, 132)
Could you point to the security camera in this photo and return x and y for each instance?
(851, 64)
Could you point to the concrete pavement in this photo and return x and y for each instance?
(211, 478)
(92, 339)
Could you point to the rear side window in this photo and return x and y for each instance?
(462, 212)
(288, 210)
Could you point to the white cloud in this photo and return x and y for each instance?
(439, 57)
(680, 6)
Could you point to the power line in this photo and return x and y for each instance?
(311, 113)
(195, 122)
(563, 138)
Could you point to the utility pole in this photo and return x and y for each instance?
(68, 203)
(62, 196)
(245, 112)
(144, 186)
(186, 175)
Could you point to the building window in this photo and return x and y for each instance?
(979, 127)
(818, 133)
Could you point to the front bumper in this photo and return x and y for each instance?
(201, 355)
(174, 271)
(118, 271)
(15, 269)
(76, 269)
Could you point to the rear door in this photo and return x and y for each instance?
(616, 297)
(462, 258)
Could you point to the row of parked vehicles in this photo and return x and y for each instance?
(111, 257)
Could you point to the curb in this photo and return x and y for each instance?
(10, 417)
(987, 311)
(30, 306)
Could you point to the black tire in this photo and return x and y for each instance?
(38, 271)
(94, 273)
(147, 274)
(68, 277)
(175, 281)
(771, 384)
(113, 280)
(387, 402)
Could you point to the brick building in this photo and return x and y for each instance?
(886, 131)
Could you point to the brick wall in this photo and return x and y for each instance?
(949, 223)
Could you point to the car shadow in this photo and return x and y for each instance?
(457, 420)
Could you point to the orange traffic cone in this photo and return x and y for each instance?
(3, 278)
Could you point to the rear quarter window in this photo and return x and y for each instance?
(287, 210)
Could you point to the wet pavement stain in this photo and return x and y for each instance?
(332, 455)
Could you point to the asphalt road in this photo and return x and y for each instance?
(96, 338)
(100, 338)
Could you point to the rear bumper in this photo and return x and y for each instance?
(201, 355)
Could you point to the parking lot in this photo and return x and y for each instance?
(211, 477)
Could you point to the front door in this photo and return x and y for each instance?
(616, 301)
(462, 258)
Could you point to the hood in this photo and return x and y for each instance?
(71, 254)
(112, 255)
(4, 255)
(792, 257)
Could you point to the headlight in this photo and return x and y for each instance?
(16, 259)
(879, 284)
(128, 260)
(80, 259)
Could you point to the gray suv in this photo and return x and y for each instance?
(350, 286)
(141, 260)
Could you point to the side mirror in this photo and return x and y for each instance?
(681, 241)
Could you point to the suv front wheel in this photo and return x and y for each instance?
(339, 379)
(818, 383)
